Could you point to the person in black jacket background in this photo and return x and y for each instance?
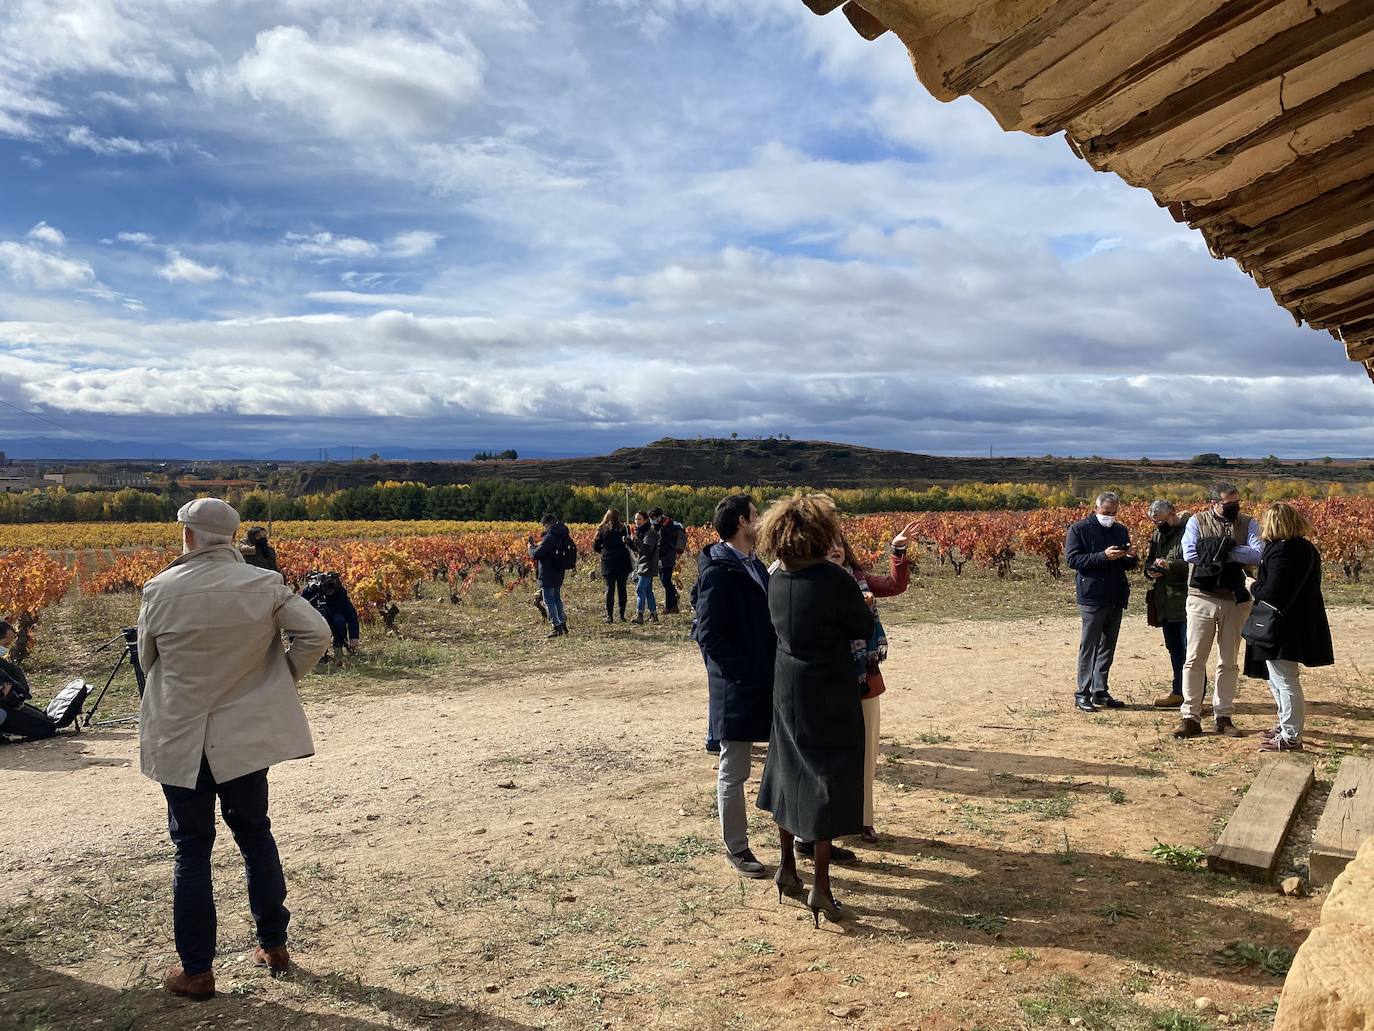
(1099, 550)
(612, 545)
(550, 554)
(737, 641)
(257, 550)
(672, 542)
(1290, 580)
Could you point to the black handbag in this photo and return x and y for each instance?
(1264, 628)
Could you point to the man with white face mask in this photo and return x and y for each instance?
(1099, 550)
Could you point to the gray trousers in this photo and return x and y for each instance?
(736, 763)
(1097, 649)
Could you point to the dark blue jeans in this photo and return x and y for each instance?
(553, 601)
(191, 820)
(1176, 640)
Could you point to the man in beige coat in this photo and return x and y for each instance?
(219, 708)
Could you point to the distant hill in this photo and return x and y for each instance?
(58, 449)
(706, 463)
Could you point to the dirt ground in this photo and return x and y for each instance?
(521, 851)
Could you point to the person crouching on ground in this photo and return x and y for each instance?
(1289, 581)
(221, 707)
(327, 593)
(550, 568)
(870, 654)
(813, 778)
(1099, 550)
(644, 543)
(735, 633)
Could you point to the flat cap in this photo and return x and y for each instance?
(209, 514)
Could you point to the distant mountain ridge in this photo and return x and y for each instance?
(812, 463)
(59, 449)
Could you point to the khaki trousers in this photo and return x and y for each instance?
(872, 711)
(1213, 620)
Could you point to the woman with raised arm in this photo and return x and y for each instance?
(813, 777)
(869, 654)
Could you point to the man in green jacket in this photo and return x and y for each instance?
(1167, 572)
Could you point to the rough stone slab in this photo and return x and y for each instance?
(1347, 822)
(1254, 836)
(1351, 898)
(1330, 986)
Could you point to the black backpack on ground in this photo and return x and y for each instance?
(67, 703)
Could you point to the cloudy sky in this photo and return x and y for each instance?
(578, 224)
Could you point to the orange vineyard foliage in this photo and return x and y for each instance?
(383, 570)
(30, 581)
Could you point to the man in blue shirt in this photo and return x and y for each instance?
(1099, 549)
(1218, 543)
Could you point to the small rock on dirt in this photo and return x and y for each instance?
(506, 784)
(844, 1012)
(1294, 887)
(1204, 1005)
(492, 988)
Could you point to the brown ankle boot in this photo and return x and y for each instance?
(190, 986)
(1168, 701)
(277, 960)
(1188, 727)
(1227, 728)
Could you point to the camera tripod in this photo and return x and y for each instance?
(129, 637)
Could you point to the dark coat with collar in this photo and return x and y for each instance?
(548, 569)
(1102, 582)
(813, 780)
(1290, 579)
(735, 633)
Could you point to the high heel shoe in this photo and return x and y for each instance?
(818, 904)
(788, 884)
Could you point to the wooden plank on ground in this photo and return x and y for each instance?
(1254, 836)
(1346, 822)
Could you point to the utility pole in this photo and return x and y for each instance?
(627, 506)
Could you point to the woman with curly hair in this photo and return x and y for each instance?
(813, 781)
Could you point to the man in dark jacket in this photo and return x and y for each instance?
(672, 542)
(735, 633)
(550, 553)
(1099, 549)
(1167, 572)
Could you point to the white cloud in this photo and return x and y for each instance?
(42, 269)
(413, 243)
(116, 146)
(326, 246)
(46, 234)
(181, 269)
(355, 297)
(354, 81)
(137, 239)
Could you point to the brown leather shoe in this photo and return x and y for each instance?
(277, 961)
(1227, 728)
(1168, 701)
(1188, 727)
(190, 986)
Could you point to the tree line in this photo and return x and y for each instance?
(505, 500)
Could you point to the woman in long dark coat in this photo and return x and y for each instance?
(612, 544)
(1290, 579)
(813, 780)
